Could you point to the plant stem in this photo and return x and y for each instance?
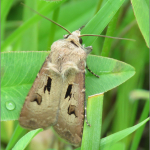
(53, 27)
(110, 31)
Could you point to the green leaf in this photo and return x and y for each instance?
(25, 140)
(19, 69)
(138, 134)
(17, 134)
(116, 146)
(112, 73)
(32, 40)
(91, 135)
(97, 24)
(121, 134)
(5, 7)
(141, 12)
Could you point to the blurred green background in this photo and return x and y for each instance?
(123, 105)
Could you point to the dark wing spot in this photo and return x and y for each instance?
(37, 98)
(48, 85)
(68, 93)
(72, 110)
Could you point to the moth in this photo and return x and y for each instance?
(57, 96)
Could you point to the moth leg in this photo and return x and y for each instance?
(91, 71)
(85, 114)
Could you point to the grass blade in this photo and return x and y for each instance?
(121, 134)
(25, 140)
(91, 135)
(141, 9)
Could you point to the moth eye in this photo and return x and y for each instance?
(68, 93)
(80, 40)
(37, 98)
(48, 85)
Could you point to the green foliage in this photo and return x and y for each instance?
(121, 134)
(141, 9)
(91, 135)
(15, 86)
(24, 141)
(121, 108)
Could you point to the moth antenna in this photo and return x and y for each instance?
(81, 28)
(106, 37)
(47, 18)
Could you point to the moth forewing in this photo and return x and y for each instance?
(71, 112)
(40, 110)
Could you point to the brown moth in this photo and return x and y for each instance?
(57, 95)
(58, 92)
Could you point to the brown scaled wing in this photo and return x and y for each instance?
(71, 114)
(40, 110)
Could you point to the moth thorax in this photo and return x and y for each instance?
(76, 33)
(74, 38)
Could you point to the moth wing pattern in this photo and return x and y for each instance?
(58, 92)
(71, 111)
(39, 111)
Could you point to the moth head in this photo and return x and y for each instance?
(74, 38)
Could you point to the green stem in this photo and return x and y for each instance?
(53, 27)
(99, 5)
(110, 32)
(139, 132)
(5, 7)
(18, 32)
(30, 37)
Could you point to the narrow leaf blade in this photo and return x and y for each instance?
(25, 140)
(91, 135)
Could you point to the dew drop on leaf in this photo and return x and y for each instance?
(10, 105)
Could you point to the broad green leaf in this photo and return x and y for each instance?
(112, 73)
(141, 12)
(91, 135)
(121, 134)
(97, 24)
(19, 69)
(25, 140)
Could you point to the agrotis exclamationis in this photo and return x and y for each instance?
(57, 96)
